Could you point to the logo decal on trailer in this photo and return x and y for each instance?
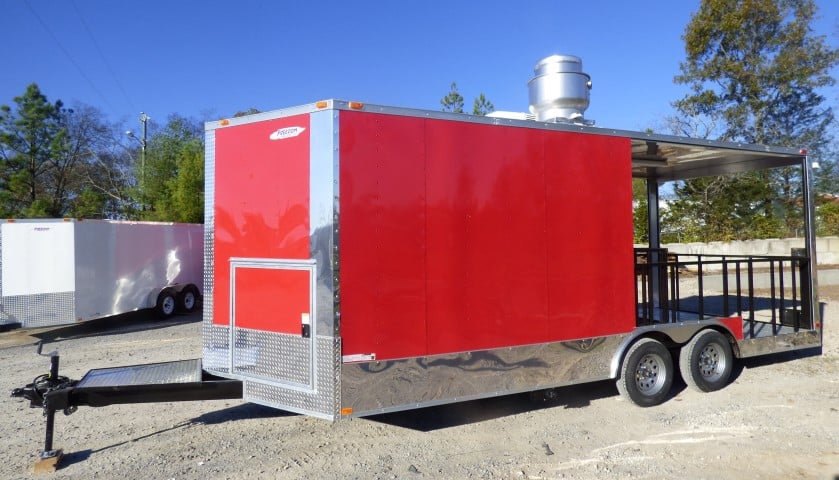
(287, 132)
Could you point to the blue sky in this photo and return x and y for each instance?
(211, 58)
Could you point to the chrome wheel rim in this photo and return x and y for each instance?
(712, 362)
(650, 374)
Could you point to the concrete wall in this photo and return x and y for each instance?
(827, 248)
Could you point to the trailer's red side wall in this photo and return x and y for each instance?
(457, 236)
(262, 211)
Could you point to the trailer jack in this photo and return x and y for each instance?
(37, 393)
(178, 381)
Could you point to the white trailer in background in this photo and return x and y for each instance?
(60, 271)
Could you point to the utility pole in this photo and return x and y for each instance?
(143, 120)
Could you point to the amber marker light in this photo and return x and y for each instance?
(346, 411)
(224, 122)
(356, 105)
(322, 104)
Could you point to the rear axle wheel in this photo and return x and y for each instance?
(706, 361)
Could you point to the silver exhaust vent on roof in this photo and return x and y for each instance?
(559, 91)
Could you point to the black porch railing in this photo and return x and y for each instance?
(764, 290)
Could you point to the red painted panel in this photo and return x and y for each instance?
(735, 324)
(272, 300)
(382, 235)
(589, 232)
(457, 236)
(261, 197)
(486, 237)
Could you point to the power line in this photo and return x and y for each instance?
(102, 56)
(70, 57)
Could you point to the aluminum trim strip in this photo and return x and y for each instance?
(323, 216)
(270, 115)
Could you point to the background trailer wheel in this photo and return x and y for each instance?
(646, 373)
(165, 305)
(706, 361)
(188, 298)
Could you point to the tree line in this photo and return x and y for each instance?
(754, 70)
(756, 75)
(58, 162)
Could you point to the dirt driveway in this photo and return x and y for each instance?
(779, 419)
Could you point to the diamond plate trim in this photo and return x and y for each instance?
(273, 357)
(42, 309)
(323, 402)
(216, 338)
(216, 353)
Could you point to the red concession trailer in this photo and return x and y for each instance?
(362, 259)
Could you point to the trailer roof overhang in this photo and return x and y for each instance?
(674, 158)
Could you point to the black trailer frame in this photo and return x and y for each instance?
(178, 381)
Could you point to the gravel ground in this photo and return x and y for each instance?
(779, 419)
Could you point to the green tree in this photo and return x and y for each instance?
(482, 106)
(755, 72)
(32, 142)
(828, 216)
(640, 209)
(173, 184)
(453, 101)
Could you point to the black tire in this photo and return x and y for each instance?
(706, 361)
(188, 299)
(166, 303)
(646, 373)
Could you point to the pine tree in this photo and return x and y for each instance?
(32, 138)
(755, 70)
(453, 102)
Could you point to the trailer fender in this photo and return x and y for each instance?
(670, 334)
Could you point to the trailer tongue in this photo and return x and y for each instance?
(177, 381)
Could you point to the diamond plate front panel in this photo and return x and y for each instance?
(41, 310)
(321, 402)
(273, 356)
